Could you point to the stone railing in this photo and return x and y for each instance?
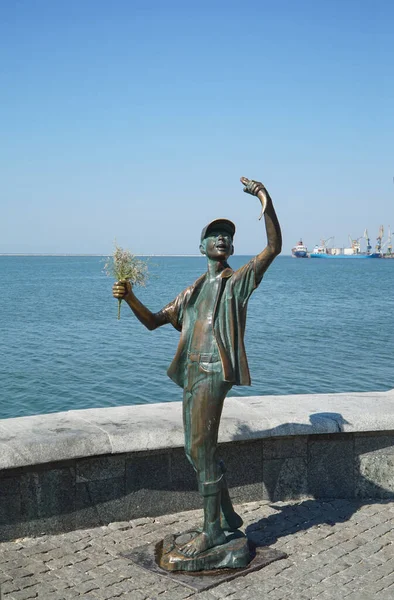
(84, 468)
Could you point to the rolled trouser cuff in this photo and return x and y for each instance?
(210, 488)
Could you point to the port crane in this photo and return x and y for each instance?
(324, 242)
(367, 239)
(355, 244)
(388, 243)
(378, 246)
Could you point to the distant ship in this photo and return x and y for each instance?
(354, 250)
(300, 251)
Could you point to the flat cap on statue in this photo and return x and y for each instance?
(224, 224)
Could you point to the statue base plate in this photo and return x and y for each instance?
(234, 554)
(150, 556)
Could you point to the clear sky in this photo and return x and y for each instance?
(135, 119)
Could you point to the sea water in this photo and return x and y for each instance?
(313, 326)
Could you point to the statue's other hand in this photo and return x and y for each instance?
(251, 187)
(121, 289)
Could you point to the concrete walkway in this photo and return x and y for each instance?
(336, 549)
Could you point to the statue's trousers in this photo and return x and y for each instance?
(204, 394)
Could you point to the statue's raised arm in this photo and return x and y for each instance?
(274, 235)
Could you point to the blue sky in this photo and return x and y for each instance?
(134, 120)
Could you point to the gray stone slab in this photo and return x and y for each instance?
(182, 474)
(32, 503)
(177, 501)
(290, 447)
(153, 503)
(331, 466)
(45, 526)
(267, 416)
(276, 416)
(376, 443)
(244, 469)
(10, 500)
(47, 493)
(183, 484)
(93, 432)
(148, 485)
(285, 478)
(374, 466)
(374, 476)
(12, 531)
(101, 467)
(141, 427)
(147, 472)
(48, 438)
(100, 502)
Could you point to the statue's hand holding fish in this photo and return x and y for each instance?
(255, 188)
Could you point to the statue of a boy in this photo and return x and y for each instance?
(211, 358)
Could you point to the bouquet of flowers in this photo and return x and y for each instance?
(124, 266)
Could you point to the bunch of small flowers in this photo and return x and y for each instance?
(124, 266)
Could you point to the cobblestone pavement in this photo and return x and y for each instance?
(336, 549)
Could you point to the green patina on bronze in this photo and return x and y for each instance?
(210, 359)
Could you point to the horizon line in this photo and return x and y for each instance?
(109, 255)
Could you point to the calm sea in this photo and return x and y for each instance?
(313, 326)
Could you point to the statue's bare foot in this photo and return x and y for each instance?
(231, 522)
(203, 541)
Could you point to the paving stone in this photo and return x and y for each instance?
(88, 586)
(206, 596)
(107, 593)
(71, 593)
(135, 595)
(25, 594)
(335, 549)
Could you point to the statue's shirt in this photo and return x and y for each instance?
(202, 338)
(228, 322)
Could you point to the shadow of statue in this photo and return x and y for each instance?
(301, 516)
(322, 501)
(322, 422)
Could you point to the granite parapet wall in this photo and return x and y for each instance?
(87, 468)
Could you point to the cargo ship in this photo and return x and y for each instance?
(300, 251)
(354, 250)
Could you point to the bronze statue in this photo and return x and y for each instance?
(210, 359)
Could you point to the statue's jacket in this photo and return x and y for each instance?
(229, 319)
